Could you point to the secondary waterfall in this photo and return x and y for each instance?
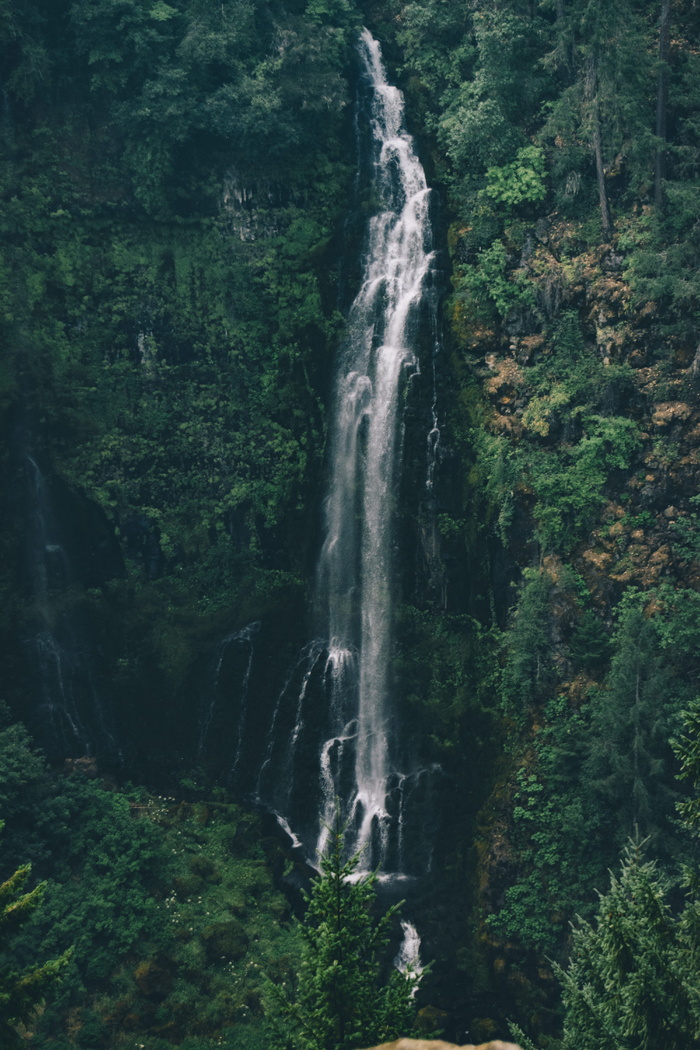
(71, 717)
(55, 663)
(355, 568)
(408, 956)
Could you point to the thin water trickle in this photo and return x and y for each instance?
(71, 716)
(244, 639)
(267, 774)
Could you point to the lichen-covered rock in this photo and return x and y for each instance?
(671, 412)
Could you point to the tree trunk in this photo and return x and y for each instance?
(600, 172)
(596, 144)
(662, 102)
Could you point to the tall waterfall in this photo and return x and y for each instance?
(332, 736)
(355, 568)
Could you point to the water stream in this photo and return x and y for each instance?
(332, 738)
(356, 570)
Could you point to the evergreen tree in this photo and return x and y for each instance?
(343, 998)
(604, 50)
(627, 771)
(687, 751)
(529, 672)
(20, 989)
(631, 983)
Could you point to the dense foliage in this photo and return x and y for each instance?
(163, 911)
(633, 973)
(21, 989)
(632, 977)
(168, 301)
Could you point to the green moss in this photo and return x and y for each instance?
(226, 941)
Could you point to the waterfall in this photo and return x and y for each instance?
(355, 570)
(71, 719)
(408, 956)
(238, 650)
(331, 736)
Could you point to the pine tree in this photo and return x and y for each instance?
(627, 771)
(687, 751)
(20, 988)
(343, 998)
(631, 982)
(603, 49)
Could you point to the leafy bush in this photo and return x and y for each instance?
(489, 281)
(520, 182)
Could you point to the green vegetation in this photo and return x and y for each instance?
(633, 976)
(164, 911)
(342, 998)
(173, 190)
(21, 990)
(176, 247)
(633, 973)
(596, 768)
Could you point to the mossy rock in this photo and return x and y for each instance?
(430, 1020)
(204, 868)
(188, 886)
(225, 940)
(247, 834)
(237, 904)
(278, 908)
(484, 1028)
(155, 977)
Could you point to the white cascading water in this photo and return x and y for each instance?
(408, 956)
(241, 640)
(355, 567)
